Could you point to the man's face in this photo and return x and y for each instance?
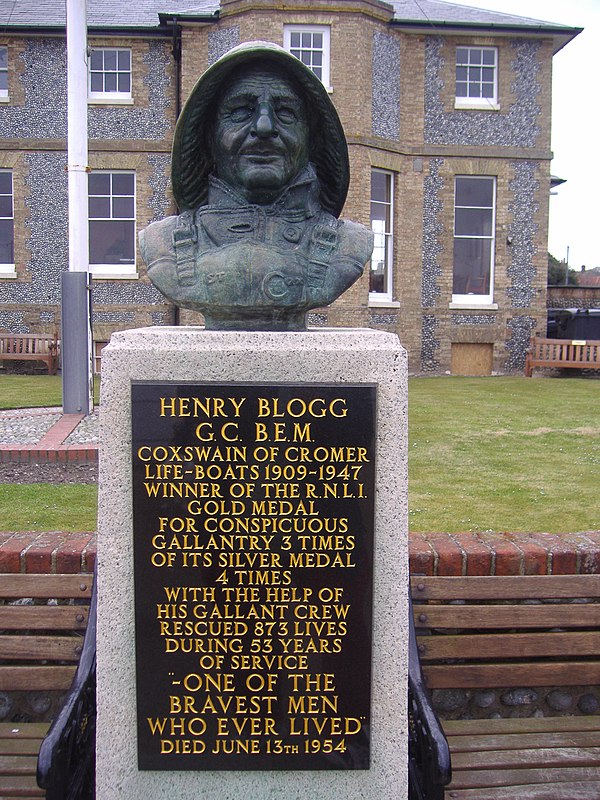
(261, 135)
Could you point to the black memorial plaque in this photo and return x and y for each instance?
(253, 510)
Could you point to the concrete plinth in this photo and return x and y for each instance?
(317, 357)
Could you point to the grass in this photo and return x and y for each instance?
(501, 454)
(35, 391)
(504, 454)
(48, 507)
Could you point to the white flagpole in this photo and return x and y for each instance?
(76, 324)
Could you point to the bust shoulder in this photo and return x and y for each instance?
(156, 241)
(356, 241)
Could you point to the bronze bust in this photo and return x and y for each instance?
(260, 172)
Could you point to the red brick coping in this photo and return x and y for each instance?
(504, 553)
(38, 454)
(430, 553)
(47, 553)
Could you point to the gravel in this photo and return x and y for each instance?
(28, 426)
(48, 473)
(25, 428)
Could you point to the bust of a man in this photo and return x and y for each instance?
(260, 172)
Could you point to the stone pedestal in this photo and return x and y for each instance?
(321, 357)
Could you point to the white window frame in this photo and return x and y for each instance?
(471, 299)
(386, 296)
(4, 70)
(120, 270)
(110, 96)
(325, 31)
(7, 269)
(471, 65)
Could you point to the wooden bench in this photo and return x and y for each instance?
(479, 633)
(43, 620)
(30, 347)
(571, 353)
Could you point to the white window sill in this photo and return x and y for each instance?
(4, 98)
(470, 106)
(382, 302)
(473, 306)
(7, 272)
(110, 101)
(102, 275)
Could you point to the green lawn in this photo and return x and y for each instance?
(48, 507)
(504, 454)
(34, 391)
(499, 454)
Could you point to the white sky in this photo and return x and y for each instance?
(575, 209)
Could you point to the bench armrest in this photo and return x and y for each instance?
(67, 757)
(428, 750)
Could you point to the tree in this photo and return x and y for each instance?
(556, 273)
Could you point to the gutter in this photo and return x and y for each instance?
(137, 32)
(188, 19)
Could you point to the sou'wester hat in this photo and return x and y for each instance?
(192, 160)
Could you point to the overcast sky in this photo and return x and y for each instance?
(575, 209)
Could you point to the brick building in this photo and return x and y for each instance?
(446, 111)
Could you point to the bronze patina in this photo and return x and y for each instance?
(260, 172)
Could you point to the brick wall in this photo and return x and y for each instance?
(47, 553)
(429, 553)
(504, 553)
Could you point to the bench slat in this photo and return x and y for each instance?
(37, 648)
(523, 741)
(21, 786)
(517, 587)
(587, 790)
(46, 586)
(470, 727)
(43, 678)
(509, 645)
(23, 730)
(69, 618)
(18, 765)
(488, 778)
(21, 747)
(485, 676)
(540, 757)
(571, 615)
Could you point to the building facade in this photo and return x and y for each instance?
(446, 111)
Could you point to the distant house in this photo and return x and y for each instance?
(589, 277)
(447, 115)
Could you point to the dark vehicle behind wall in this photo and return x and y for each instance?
(573, 323)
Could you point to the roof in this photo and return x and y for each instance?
(101, 13)
(438, 15)
(443, 11)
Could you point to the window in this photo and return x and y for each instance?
(110, 73)
(7, 237)
(111, 202)
(476, 77)
(474, 225)
(311, 45)
(3, 72)
(382, 215)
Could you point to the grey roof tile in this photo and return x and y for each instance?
(101, 13)
(145, 13)
(443, 11)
